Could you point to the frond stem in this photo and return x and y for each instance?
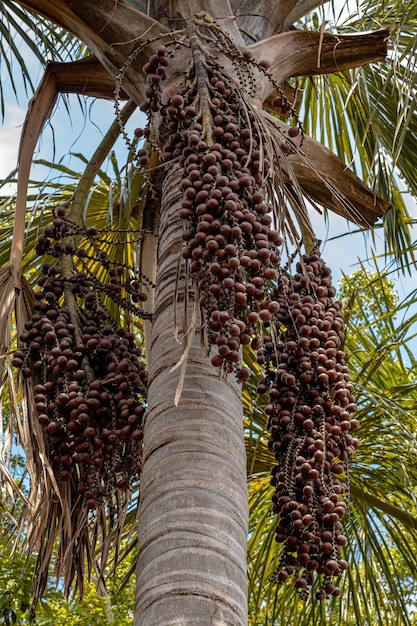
(82, 191)
(202, 81)
(66, 273)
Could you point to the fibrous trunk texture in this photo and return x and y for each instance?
(193, 511)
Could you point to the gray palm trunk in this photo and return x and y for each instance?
(193, 510)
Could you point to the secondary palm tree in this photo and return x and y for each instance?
(193, 487)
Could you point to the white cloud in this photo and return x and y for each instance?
(9, 142)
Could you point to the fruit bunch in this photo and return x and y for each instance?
(89, 382)
(229, 244)
(310, 421)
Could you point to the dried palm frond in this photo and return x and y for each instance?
(15, 298)
(15, 292)
(7, 298)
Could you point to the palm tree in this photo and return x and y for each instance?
(193, 486)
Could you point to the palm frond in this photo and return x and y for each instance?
(23, 34)
(374, 106)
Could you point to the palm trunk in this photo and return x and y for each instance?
(193, 510)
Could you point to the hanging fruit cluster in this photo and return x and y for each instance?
(232, 250)
(89, 381)
(309, 418)
(229, 206)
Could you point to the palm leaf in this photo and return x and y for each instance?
(374, 105)
(23, 32)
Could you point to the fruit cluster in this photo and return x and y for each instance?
(89, 381)
(228, 242)
(64, 237)
(310, 421)
(155, 69)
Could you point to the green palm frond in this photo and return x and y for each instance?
(25, 35)
(374, 109)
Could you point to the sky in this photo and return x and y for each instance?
(82, 132)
